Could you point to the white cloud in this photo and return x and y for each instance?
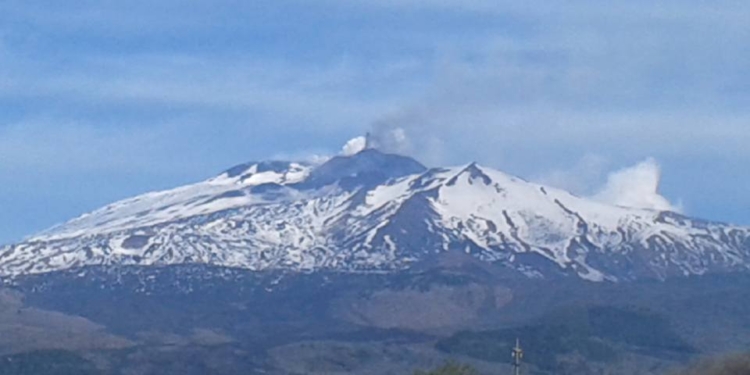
(521, 86)
(637, 187)
(354, 146)
(389, 138)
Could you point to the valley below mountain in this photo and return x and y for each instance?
(193, 320)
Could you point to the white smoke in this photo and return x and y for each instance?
(392, 134)
(354, 146)
(383, 137)
(391, 139)
(637, 187)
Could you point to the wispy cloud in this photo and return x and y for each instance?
(169, 93)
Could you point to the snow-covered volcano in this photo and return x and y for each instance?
(378, 212)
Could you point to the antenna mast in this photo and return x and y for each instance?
(517, 357)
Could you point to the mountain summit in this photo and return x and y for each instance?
(373, 211)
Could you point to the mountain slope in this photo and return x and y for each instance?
(380, 212)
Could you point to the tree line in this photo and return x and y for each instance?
(731, 365)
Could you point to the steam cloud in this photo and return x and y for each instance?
(637, 187)
(392, 135)
(354, 146)
(407, 132)
(386, 138)
(392, 141)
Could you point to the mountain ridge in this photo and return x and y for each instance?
(378, 212)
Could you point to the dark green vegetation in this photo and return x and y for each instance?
(46, 363)
(193, 320)
(733, 365)
(599, 334)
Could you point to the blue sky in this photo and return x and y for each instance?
(101, 100)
